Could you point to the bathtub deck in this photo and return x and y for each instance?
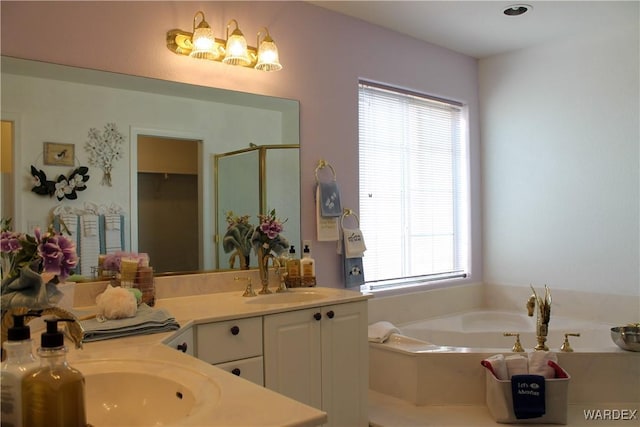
(387, 411)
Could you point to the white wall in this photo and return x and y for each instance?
(560, 161)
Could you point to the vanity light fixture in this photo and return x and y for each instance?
(203, 40)
(268, 59)
(202, 44)
(236, 51)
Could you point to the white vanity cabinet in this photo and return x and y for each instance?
(233, 345)
(319, 356)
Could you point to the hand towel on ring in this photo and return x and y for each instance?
(354, 246)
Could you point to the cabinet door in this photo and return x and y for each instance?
(345, 364)
(292, 355)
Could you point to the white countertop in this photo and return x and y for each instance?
(231, 305)
(241, 402)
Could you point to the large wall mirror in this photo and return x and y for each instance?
(166, 180)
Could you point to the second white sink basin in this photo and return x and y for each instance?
(289, 297)
(143, 393)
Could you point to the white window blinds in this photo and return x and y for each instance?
(414, 198)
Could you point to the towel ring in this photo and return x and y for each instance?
(324, 164)
(349, 212)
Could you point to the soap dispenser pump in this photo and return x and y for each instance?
(19, 363)
(54, 395)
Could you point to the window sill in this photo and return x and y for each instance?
(413, 287)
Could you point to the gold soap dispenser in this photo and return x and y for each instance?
(54, 394)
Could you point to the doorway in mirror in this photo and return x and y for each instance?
(168, 202)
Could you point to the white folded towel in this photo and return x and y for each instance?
(499, 366)
(517, 365)
(90, 225)
(354, 246)
(381, 331)
(538, 363)
(112, 221)
(112, 233)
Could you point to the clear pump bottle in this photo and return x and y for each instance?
(20, 362)
(293, 269)
(53, 395)
(307, 268)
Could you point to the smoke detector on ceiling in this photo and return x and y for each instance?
(517, 9)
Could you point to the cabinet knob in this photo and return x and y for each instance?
(236, 371)
(182, 347)
(317, 316)
(330, 314)
(235, 330)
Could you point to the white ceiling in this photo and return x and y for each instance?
(480, 29)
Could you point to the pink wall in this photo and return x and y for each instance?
(323, 54)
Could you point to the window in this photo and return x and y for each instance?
(414, 197)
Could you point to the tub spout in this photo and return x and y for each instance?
(543, 316)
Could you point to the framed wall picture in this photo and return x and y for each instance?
(59, 154)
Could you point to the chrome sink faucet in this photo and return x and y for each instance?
(543, 316)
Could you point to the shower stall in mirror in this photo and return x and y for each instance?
(255, 181)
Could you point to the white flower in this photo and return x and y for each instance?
(61, 189)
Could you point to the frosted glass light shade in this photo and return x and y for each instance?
(236, 51)
(204, 44)
(268, 59)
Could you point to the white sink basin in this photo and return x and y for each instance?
(289, 297)
(143, 393)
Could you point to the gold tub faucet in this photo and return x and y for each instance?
(543, 315)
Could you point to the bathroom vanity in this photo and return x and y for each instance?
(308, 344)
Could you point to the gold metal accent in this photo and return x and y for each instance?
(324, 164)
(281, 272)
(248, 292)
(263, 267)
(566, 346)
(349, 212)
(543, 315)
(262, 182)
(180, 42)
(517, 346)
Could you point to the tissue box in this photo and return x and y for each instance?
(500, 402)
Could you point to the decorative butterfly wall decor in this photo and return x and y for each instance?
(64, 186)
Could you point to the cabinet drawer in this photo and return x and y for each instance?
(230, 340)
(183, 342)
(249, 369)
